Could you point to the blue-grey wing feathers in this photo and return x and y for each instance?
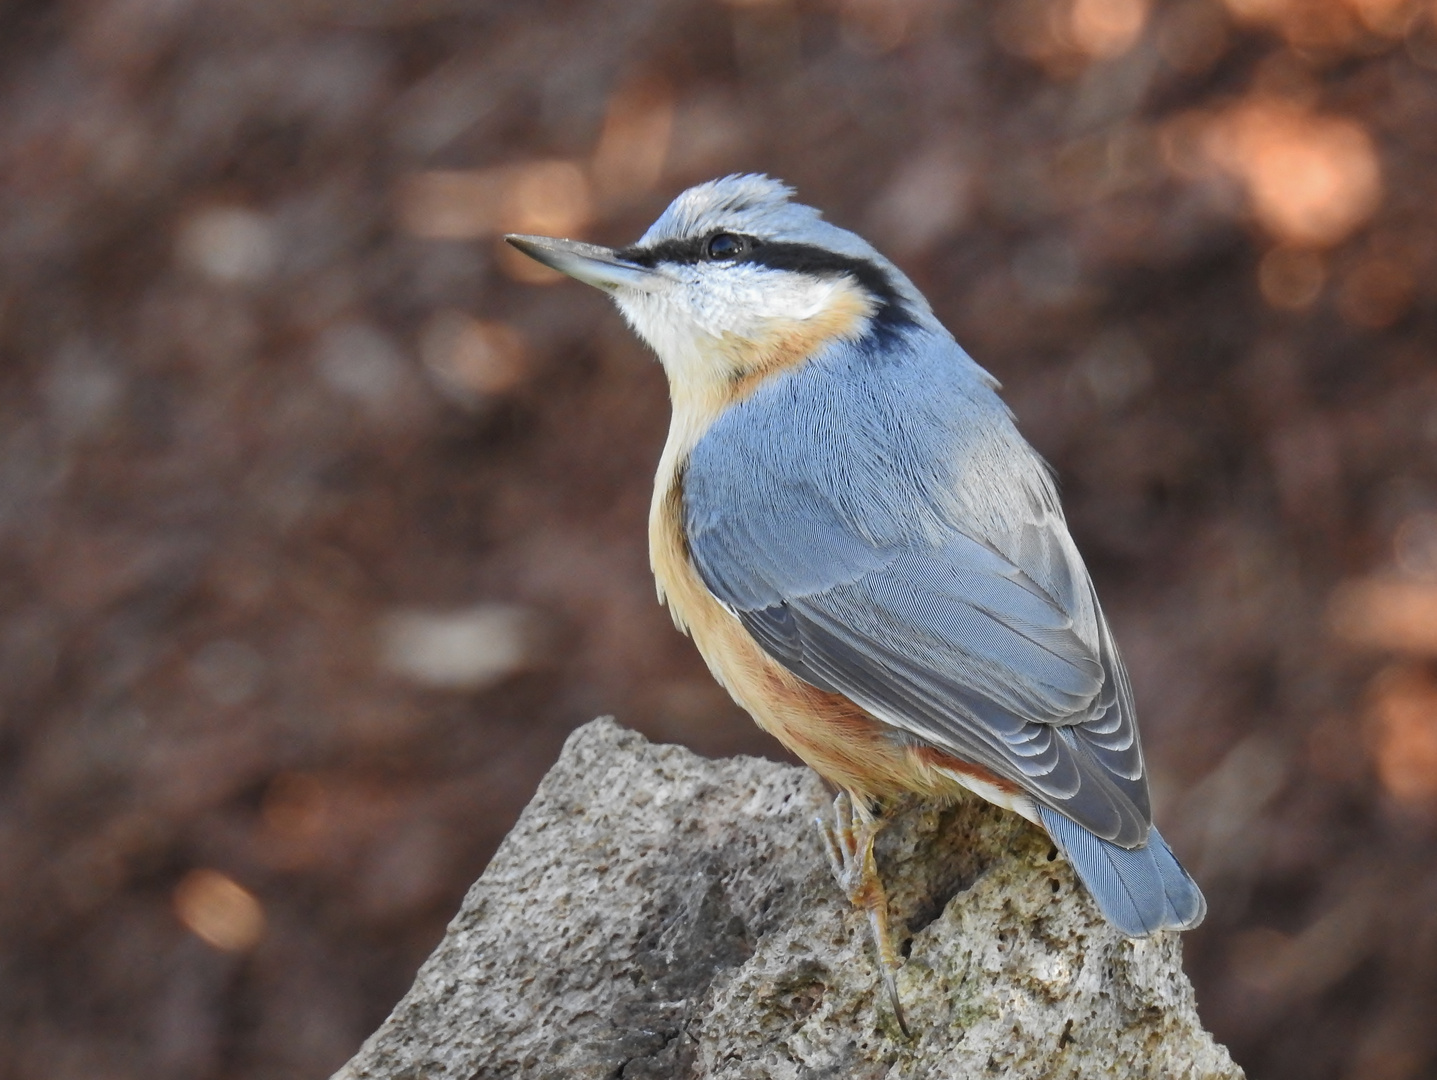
(881, 529)
(933, 646)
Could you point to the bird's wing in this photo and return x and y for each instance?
(1002, 659)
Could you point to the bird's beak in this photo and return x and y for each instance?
(589, 263)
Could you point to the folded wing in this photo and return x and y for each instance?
(994, 652)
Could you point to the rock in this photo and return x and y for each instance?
(655, 914)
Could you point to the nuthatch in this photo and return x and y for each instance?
(871, 559)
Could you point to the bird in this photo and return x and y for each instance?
(869, 556)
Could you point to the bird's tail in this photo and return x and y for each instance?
(1140, 891)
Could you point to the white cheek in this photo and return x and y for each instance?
(668, 328)
(685, 320)
(748, 305)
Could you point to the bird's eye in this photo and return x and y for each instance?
(727, 246)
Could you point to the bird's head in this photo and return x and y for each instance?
(734, 283)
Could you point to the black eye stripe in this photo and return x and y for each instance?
(686, 251)
(891, 314)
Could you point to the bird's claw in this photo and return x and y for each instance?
(848, 842)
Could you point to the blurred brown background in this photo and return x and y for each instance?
(322, 518)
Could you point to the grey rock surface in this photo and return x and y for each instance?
(655, 914)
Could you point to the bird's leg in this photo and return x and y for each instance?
(848, 839)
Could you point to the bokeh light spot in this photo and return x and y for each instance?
(459, 650)
(220, 912)
(1311, 179)
(1404, 720)
(229, 244)
(1107, 28)
(1386, 613)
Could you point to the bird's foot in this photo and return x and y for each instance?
(848, 840)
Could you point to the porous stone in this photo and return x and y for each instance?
(655, 914)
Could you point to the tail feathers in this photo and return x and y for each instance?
(1140, 891)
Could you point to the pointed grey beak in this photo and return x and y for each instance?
(589, 263)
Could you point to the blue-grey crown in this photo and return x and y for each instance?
(743, 202)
